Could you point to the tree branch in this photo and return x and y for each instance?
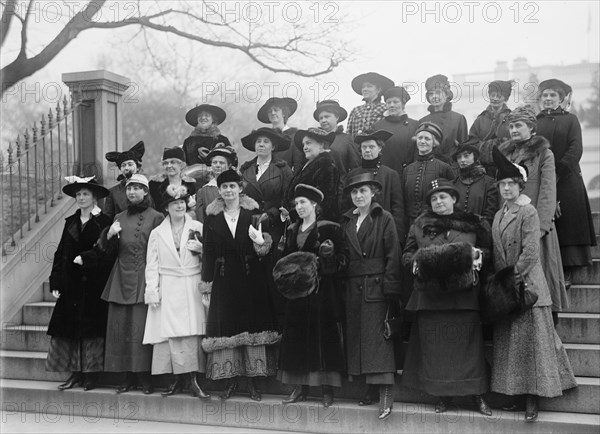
(7, 15)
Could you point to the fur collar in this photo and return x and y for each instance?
(533, 147)
(217, 206)
(447, 107)
(322, 160)
(523, 200)
(212, 131)
(556, 112)
(248, 164)
(162, 178)
(432, 224)
(470, 174)
(339, 130)
(489, 111)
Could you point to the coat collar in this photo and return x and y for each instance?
(218, 205)
(164, 231)
(351, 217)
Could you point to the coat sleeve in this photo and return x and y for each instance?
(351, 121)
(391, 246)
(410, 248)
(152, 292)
(546, 203)
(530, 239)
(328, 180)
(209, 254)
(109, 206)
(353, 155)
(570, 160)
(397, 205)
(57, 264)
(447, 172)
(475, 130)
(463, 131)
(491, 202)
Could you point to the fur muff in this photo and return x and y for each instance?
(444, 268)
(264, 249)
(499, 296)
(296, 275)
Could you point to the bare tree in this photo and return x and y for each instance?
(308, 46)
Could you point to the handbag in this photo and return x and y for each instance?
(391, 326)
(503, 295)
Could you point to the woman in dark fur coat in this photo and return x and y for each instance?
(445, 351)
(205, 119)
(311, 351)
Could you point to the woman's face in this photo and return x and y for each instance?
(442, 203)
(465, 159)
(496, 100)
(394, 106)
(328, 121)
(219, 164)
(425, 142)
(177, 208)
(172, 166)
(135, 193)
(205, 120)
(230, 190)
(275, 115)
(437, 98)
(128, 168)
(369, 149)
(362, 196)
(263, 146)
(370, 91)
(85, 198)
(550, 99)
(519, 131)
(509, 189)
(305, 207)
(311, 148)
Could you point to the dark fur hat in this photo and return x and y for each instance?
(296, 275)
(444, 268)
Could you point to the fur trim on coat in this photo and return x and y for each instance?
(533, 146)
(433, 224)
(212, 131)
(444, 268)
(217, 206)
(211, 345)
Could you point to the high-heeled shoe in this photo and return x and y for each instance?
(174, 387)
(76, 379)
(298, 394)
(327, 396)
(230, 390)
(386, 400)
(443, 404)
(483, 406)
(371, 395)
(145, 379)
(127, 384)
(91, 379)
(254, 393)
(531, 408)
(195, 387)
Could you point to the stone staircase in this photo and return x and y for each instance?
(27, 387)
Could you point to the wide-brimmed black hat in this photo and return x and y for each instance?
(229, 176)
(373, 135)
(439, 82)
(501, 86)
(441, 184)
(217, 113)
(330, 106)
(280, 142)
(319, 134)
(555, 84)
(224, 151)
(363, 178)
(263, 112)
(308, 191)
(297, 275)
(173, 193)
(471, 145)
(397, 91)
(506, 168)
(135, 153)
(76, 183)
(378, 80)
(175, 152)
(431, 128)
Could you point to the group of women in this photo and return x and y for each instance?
(301, 263)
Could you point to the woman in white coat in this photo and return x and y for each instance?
(176, 320)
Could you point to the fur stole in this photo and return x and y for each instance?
(161, 177)
(322, 161)
(533, 147)
(212, 131)
(248, 164)
(470, 174)
(217, 206)
(432, 224)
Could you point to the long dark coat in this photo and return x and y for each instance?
(489, 125)
(478, 192)
(320, 173)
(79, 311)
(373, 273)
(400, 150)
(454, 127)
(344, 152)
(293, 156)
(312, 331)
(192, 143)
(563, 131)
(240, 301)
(117, 201)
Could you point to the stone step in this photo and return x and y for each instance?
(587, 275)
(38, 313)
(596, 248)
(24, 338)
(584, 299)
(585, 359)
(579, 328)
(46, 292)
(343, 417)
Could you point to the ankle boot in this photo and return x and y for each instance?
(327, 396)
(298, 394)
(483, 406)
(91, 379)
(443, 404)
(195, 387)
(174, 387)
(76, 379)
(386, 400)
(371, 395)
(145, 379)
(531, 408)
(254, 393)
(128, 383)
(232, 385)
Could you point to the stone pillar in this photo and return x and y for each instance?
(97, 121)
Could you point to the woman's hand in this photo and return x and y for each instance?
(115, 228)
(326, 249)
(55, 293)
(78, 260)
(154, 305)
(206, 299)
(256, 234)
(284, 214)
(194, 246)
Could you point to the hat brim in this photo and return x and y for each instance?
(300, 134)
(453, 191)
(279, 141)
(98, 190)
(218, 114)
(377, 135)
(465, 148)
(350, 187)
(340, 112)
(378, 80)
(263, 112)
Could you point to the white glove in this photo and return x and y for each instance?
(55, 293)
(194, 246)
(206, 299)
(477, 258)
(78, 260)
(284, 214)
(115, 228)
(256, 234)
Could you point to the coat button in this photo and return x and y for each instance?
(364, 255)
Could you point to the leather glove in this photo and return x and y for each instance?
(326, 249)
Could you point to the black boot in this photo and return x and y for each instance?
(128, 383)
(386, 400)
(91, 380)
(443, 404)
(254, 393)
(145, 379)
(232, 385)
(327, 396)
(370, 396)
(174, 387)
(483, 406)
(531, 408)
(298, 394)
(195, 387)
(76, 379)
